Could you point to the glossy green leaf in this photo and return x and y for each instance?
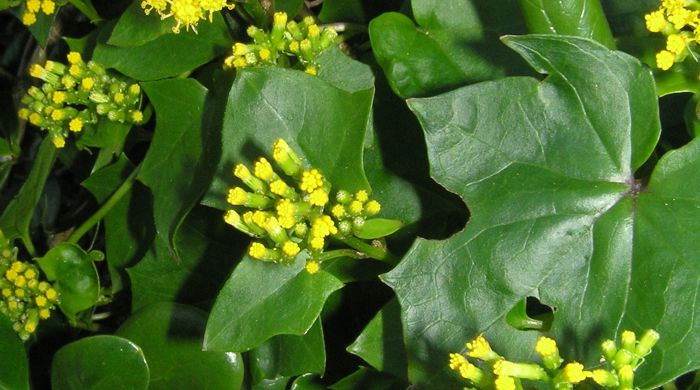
(14, 371)
(557, 214)
(15, 219)
(367, 378)
(381, 342)
(445, 48)
(170, 335)
(175, 168)
(208, 252)
(277, 299)
(311, 115)
(168, 55)
(135, 28)
(99, 363)
(74, 275)
(378, 227)
(581, 18)
(290, 355)
(307, 382)
(129, 224)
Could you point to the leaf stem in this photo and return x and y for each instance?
(340, 253)
(375, 252)
(105, 208)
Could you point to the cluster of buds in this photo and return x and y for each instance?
(501, 374)
(288, 43)
(23, 298)
(186, 12)
(678, 20)
(73, 96)
(32, 7)
(288, 214)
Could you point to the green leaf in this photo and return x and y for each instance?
(167, 56)
(14, 371)
(208, 252)
(278, 299)
(99, 362)
(557, 214)
(367, 378)
(381, 342)
(42, 27)
(135, 28)
(378, 227)
(581, 18)
(446, 49)
(170, 335)
(325, 125)
(128, 226)
(290, 355)
(15, 219)
(175, 167)
(75, 277)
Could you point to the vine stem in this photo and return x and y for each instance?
(105, 208)
(340, 253)
(377, 253)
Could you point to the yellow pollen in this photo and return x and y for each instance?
(51, 294)
(290, 248)
(30, 274)
(310, 180)
(75, 124)
(264, 54)
(362, 196)
(58, 142)
(356, 207)
(317, 243)
(279, 187)
(33, 5)
(665, 59)
(546, 346)
(28, 18)
(87, 83)
(263, 169)
(241, 172)
(338, 211)
(74, 70)
(137, 116)
(59, 97)
(504, 383)
(237, 196)
(311, 70)
(118, 97)
(373, 207)
(57, 115)
(44, 314)
(479, 348)
(257, 250)
(319, 197)
(48, 6)
(74, 57)
(17, 266)
(574, 373)
(10, 275)
(40, 301)
(312, 266)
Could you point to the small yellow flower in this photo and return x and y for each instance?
(74, 57)
(264, 54)
(137, 116)
(75, 124)
(546, 346)
(665, 59)
(574, 373)
(257, 250)
(51, 294)
(119, 98)
(30, 327)
(310, 180)
(290, 248)
(338, 211)
(58, 97)
(356, 207)
(34, 118)
(675, 43)
(319, 197)
(40, 301)
(87, 83)
(48, 7)
(317, 243)
(33, 5)
(279, 187)
(313, 31)
(28, 18)
(58, 115)
(655, 21)
(311, 70)
(134, 89)
(373, 207)
(479, 348)
(263, 169)
(312, 266)
(44, 314)
(504, 383)
(237, 196)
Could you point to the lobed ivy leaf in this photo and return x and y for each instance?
(547, 169)
(581, 18)
(99, 362)
(324, 124)
(135, 28)
(381, 342)
(175, 167)
(170, 335)
(445, 48)
(14, 370)
(289, 355)
(168, 55)
(262, 300)
(208, 253)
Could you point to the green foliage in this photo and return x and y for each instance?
(533, 183)
(100, 362)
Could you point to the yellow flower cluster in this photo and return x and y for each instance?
(678, 20)
(73, 96)
(287, 43)
(186, 12)
(24, 299)
(286, 213)
(501, 374)
(33, 7)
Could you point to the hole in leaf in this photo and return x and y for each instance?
(531, 314)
